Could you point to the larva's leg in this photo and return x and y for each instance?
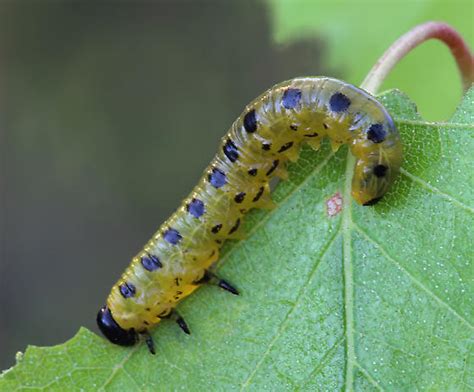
(236, 232)
(293, 154)
(210, 278)
(315, 144)
(335, 145)
(238, 236)
(174, 315)
(223, 284)
(282, 173)
(182, 324)
(262, 198)
(266, 204)
(149, 342)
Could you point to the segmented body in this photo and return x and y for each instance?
(259, 143)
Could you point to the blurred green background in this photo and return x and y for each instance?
(111, 110)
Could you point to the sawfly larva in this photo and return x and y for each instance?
(267, 135)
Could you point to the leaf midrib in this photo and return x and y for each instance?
(348, 281)
(345, 231)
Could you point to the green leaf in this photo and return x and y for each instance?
(372, 298)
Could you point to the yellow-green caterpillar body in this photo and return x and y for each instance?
(257, 147)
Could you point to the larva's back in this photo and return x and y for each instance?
(259, 143)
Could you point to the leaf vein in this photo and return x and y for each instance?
(412, 278)
(119, 366)
(383, 342)
(435, 190)
(348, 285)
(324, 361)
(435, 124)
(368, 377)
(286, 319)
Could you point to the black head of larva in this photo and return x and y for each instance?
(112, 331)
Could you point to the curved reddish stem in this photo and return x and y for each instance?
(411, 40)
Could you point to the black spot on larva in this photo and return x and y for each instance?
(216, 228)
(325, 126)
(312, 134)
(294, 127)
(148, 309)
(195, 207)
(177, 280)
(230, 150)
(235, 227)
(376, 133)
(151, 262)
(259, 194)
(291, 98)
(127, 290)
(217, 178)
(380, 170)
(172, 236)
(250, 121)
(274, 166)
(218, 242)
(239, 197)
(285, 147)
(146, 322)
(339, 102)
(373, 201)
(266, 146)
(252, 172)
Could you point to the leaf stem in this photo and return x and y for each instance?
(409, 41)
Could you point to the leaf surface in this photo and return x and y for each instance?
(371, 298)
